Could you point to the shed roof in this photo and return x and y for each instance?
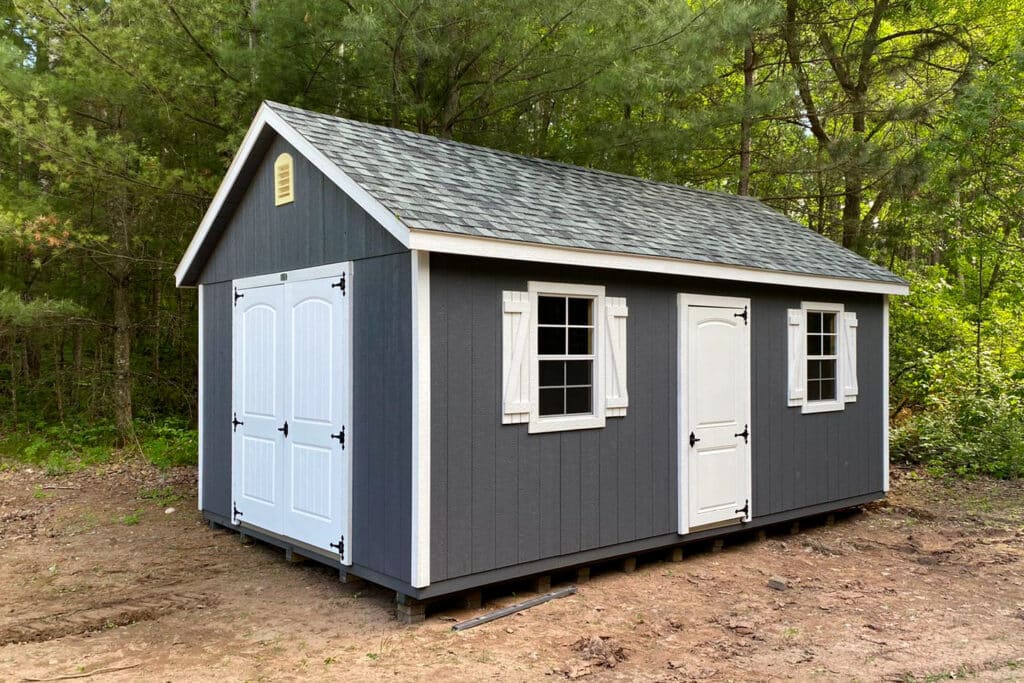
(421, 183)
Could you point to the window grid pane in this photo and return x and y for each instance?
(822, 350)
(565, 346)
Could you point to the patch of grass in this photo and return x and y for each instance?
(131, 519)
(38, 493)
(67, 447)
(161, 497)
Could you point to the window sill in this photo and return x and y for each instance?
(822, 406)
(565, 423)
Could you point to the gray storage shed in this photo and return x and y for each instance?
(440, 366)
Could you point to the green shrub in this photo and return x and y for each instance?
(967, 436)
(67, 447)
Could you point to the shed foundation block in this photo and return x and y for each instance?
(582, 574)
(629, 565)
(675, 555)
(542, 584)
(473, 599)
(409, 610)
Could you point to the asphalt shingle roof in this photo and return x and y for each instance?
(434, 184)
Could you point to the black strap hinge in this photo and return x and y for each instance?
(745, 509)
(340, 545)
(235, 514)
(340, 284)
(340, 436)
(741, 315)
(745, 434)
(237, 296)
(235, 422)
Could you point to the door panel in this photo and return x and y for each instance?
(292, 366)
(317, 507)
(259, 347)
(716, 410)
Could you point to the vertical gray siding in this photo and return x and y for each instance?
(216, 415)
(501, 496)
(382, 415)
(323, 226)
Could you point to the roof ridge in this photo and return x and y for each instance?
(726, 228)
(517, 155)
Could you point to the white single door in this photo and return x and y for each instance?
(291, 468)
(260, 349)
(318, 441)
(715, 411)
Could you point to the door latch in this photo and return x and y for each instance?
(340, 436)
(235, 422)
(745, 434)
(693, 439)
(284, 429)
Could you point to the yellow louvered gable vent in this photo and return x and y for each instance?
(284, 180)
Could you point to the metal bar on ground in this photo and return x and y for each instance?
(512, 609)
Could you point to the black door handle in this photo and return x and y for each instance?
(284, 429)
(693, 439)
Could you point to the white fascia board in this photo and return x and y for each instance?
(451, 243)
(885, 394)
(268, 117)
(201, 389)
(420, 571)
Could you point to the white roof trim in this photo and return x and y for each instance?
(268, 117)
(452, 243)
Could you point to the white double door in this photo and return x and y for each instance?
(291, 419)
(714, 411)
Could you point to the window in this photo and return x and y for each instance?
(563, 357)
(822, 357)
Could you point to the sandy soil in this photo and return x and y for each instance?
(97, 581)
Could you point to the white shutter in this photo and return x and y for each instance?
(616, 394)
(848, 356)
(797, 356)
(515, 340)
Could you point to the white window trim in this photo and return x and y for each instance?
(561, 423)
(839, 402)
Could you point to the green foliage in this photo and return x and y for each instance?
(62, 448)
(161, 497)
(131, 518)
(896, 128)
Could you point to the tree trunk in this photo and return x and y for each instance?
(746, 123)
(122, 343)
(58, 382)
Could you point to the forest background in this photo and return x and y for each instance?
(894, 127)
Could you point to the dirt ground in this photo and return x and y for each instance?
(97, 581)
